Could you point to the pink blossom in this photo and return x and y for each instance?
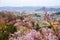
(18, 20)
(52, 37)
(12, 22)
(17, 24)
(17, 33)
(33, 34)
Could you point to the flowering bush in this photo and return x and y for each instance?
(26, 28)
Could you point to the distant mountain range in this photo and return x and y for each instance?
(30, 8)
(48, 9)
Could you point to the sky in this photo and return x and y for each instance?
(21, 3)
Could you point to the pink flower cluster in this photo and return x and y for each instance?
(23, 22)
(48, 35)
(30, 36)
